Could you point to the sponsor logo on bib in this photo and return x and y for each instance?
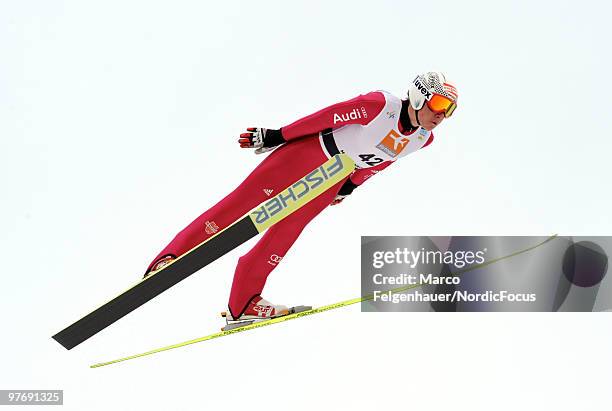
(393, 143)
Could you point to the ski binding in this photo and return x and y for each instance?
(233, 324)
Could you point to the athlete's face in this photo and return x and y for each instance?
(428, 119)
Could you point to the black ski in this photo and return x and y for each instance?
(255, 222)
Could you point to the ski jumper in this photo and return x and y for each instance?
(366, 128)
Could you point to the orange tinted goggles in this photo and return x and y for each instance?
(441, 104)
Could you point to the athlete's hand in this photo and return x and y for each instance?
(261, 139)
(338, 199)
(253, 138)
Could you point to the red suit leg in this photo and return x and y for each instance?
(255, 266)
(277, 171)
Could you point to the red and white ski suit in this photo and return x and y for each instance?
(366, 128)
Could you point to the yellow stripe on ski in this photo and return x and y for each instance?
(313, 311)
(302, 191)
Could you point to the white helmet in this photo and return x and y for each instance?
(425, 86)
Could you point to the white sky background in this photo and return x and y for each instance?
(118, 122)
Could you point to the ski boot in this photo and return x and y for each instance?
(159, 265)
(259, 310)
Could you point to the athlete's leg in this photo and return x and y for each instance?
(255, 266)
(276, 172)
